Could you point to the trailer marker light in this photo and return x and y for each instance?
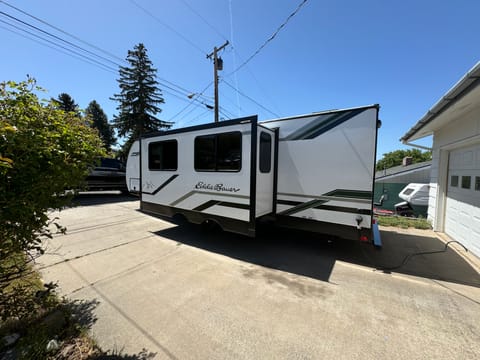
(364, 238)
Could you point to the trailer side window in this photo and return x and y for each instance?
(205, 153)
(163, 155)
(219, 152)
(466, 182)
(454, 180)
(265, 152)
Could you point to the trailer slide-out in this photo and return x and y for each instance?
(312, 172)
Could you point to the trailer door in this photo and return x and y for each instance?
(266, 170)
(133, 168)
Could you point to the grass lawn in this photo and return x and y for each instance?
(404, 222)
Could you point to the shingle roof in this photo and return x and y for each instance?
(397, 170)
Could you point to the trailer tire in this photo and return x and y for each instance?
(180, 219)
(211, 226)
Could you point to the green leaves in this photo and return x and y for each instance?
(43, 152)
(395, 158)
(139, 96)
(95, 114)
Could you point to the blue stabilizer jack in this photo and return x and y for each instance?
(377, 240)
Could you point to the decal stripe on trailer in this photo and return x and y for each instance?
(299, 206)
(169, 180)
(346, 193)
(321, 125)
(337, 195)
(211, 203)
(344, 209)
(289, 202)
(304, 206)
(319, 202)
(193, 192)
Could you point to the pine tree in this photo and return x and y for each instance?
(139, 97)
(100, 122)
(66, 103)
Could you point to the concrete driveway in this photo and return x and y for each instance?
(180, 293)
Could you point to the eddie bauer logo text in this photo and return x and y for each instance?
(216, 187)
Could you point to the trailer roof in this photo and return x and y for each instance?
(247, 119)
(377, 106)
(243, 120)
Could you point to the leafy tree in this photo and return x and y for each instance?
(395, 158)
(139, 97)
(43, 151)
(100, 122)
(66, 103)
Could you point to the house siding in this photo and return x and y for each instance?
(460, 132)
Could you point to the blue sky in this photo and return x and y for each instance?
(403, 55)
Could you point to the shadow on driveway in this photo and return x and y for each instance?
(315, 255)
(101, 197)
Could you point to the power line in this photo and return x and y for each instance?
(235, 79)
(225, 116)
(189, 112)
(56, 37)
(196, 117)
(186, 91)
(51, 47)
(83, 57)
(64, 32)
(182, 110)
(204, 20)
(167, 26)
(174, 95)
(226, 113)
(78, 39)
(252, 100)
(259, 85)
(271, 37)
(181, 97)
(70, 51)
(79, 56)
(99, 61)
(192, 101)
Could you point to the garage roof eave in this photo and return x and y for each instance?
(426, 125)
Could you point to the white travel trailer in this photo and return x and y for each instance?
(313, 172)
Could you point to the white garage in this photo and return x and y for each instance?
(454, 122)
(462, 218)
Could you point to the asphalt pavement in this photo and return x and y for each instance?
(178, 292)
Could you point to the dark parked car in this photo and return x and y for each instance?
(109, 175)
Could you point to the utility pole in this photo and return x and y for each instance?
(217, 65)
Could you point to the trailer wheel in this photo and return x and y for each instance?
(180, 219)
(211, 226)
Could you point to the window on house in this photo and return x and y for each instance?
(163, 155)
(219, 152)
(454, 181)
(477, 183)
(265, 152)
(466, 182)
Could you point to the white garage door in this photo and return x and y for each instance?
(462, 216)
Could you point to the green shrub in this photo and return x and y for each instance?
(43, 151)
